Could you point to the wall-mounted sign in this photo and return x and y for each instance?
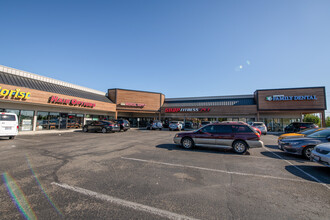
(17, 94)
(74, 102)
(291, 98)
(129, 104)
(175, 110)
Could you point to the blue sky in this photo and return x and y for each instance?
(181, 48)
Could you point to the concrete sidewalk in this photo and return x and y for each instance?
(22, 133)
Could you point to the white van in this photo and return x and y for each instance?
(8, 125)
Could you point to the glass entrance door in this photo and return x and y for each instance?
(63, 120)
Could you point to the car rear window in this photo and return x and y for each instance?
(320, 134)
(241, 129)
(308, 131)
(5, 117)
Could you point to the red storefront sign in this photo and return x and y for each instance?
(74, 102)
(175, 110)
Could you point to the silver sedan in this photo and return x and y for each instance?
(321, 154)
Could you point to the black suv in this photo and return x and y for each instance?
(298, 126)
(124, 124)
(101, 126)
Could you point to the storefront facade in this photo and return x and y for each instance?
(43, 103)
(275, 107)
(138, 107)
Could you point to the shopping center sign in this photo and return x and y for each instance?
(291, 98)
(14, 93)
(74, 102)
(175, 110)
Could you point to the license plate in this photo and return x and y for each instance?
(7, 128)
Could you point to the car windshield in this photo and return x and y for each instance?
(205, 122)
(173, 122)
(308, 131)
(258, 124)
(320, 134)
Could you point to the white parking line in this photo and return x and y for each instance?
(216, 170)
(311, 176)
(121, 202)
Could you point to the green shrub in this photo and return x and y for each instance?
(312, 118)
(327, 121)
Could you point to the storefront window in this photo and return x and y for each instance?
(54, 120)
(42, 121)
(26, 120)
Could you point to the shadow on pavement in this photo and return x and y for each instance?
(282, 154)
(320, 172)
(198, 149)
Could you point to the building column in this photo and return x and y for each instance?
(35, 117)
(323, 124)
(258, 116)
(116, 115)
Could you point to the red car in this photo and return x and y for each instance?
(230, 135)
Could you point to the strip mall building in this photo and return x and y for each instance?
(44, 103)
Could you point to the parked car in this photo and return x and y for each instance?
(302, 133)
(321, 154)
(155, 125)
(230, 135)
(101, 126)
(124, 125)
(176, 125)
(304, 145)
(8, 125)
(189, 125)
(298, 126)
(261, 126)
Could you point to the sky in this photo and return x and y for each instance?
(181, 48)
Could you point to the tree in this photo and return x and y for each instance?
(312, 118)
(327, 121)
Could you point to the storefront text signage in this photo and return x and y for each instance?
(74, 102)
(291, 98)
(129, 104)
(17, 94)
(174, 110)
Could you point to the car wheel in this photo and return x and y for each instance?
(160, 129)
(12, 137)
(104, 130)
(240, 147)
(125, 130)
(187, 143)
(307, 152)
(85, 129)
(170, 129)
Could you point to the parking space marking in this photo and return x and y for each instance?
(309, 175)
(216, 170)
(125, 203)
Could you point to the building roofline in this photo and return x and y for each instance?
(29, 75)
(316, 87)
(132, 90)
(208, 98)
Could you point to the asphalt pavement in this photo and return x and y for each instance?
(141, 174)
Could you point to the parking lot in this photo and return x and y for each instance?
(141, 174)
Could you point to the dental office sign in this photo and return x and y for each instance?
(291, 98)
